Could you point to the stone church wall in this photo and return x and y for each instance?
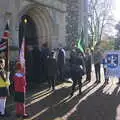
(13, 9)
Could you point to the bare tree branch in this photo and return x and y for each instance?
(99, 15)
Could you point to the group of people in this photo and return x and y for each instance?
(50, 66)
(19, 80)
(80, 64)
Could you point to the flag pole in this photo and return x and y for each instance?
(7, 52)
(24, 35)
(25, 22)
(6, 38)
(7, 35)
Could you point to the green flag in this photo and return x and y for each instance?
(80, 43)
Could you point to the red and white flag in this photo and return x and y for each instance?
(22, 53)
(4, 39)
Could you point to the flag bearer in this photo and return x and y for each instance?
(20, 90)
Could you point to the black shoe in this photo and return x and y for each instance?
(25, 116)
(98, 81)
(71, 94)
(80, 93)
(118, 83)
(2, 115)
(49, 88)
(18, 116)
(87, 80)
(5, 115)
(106, 82)
(53, 90)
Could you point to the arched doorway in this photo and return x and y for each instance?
(32, 53)
(44, 24)
(28, 30)
(40, 27)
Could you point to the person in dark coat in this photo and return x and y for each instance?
(61, 63)
(97, 64)
(36, 65)
(44, 54)
(88, 64)
(20, 90)
(77, 70)
(104, 61)
(52, 70)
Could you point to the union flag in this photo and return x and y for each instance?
(4, 39)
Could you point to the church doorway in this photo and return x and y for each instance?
(27, 29)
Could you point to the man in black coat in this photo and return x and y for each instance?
(35, 62)
(52, 70)
(77, 69)
(44, 54)
(97, 64)
(61, 63)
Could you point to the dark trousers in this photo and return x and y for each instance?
(75, 83)
(106, 77)
(51, 82)
(61, 73)
(97, 71)
(44, 71)
(88, 75)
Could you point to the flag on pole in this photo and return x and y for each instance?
(4, 45)
(4, 39)
(81, 44)
(22, 54)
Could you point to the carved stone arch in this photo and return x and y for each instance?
(42, 31)
(43, 21)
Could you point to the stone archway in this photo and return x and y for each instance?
(43, 22)
(37, 31)
(28, 31)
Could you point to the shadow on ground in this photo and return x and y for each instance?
(44, 104)
(101, 105)
(98, 102)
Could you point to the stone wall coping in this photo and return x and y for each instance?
(55, 4)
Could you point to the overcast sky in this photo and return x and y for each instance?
(116, 14)
(116, 10)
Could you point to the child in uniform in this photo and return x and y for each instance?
(20, 90)
(4, 88)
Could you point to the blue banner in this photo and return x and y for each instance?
(112, 63)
